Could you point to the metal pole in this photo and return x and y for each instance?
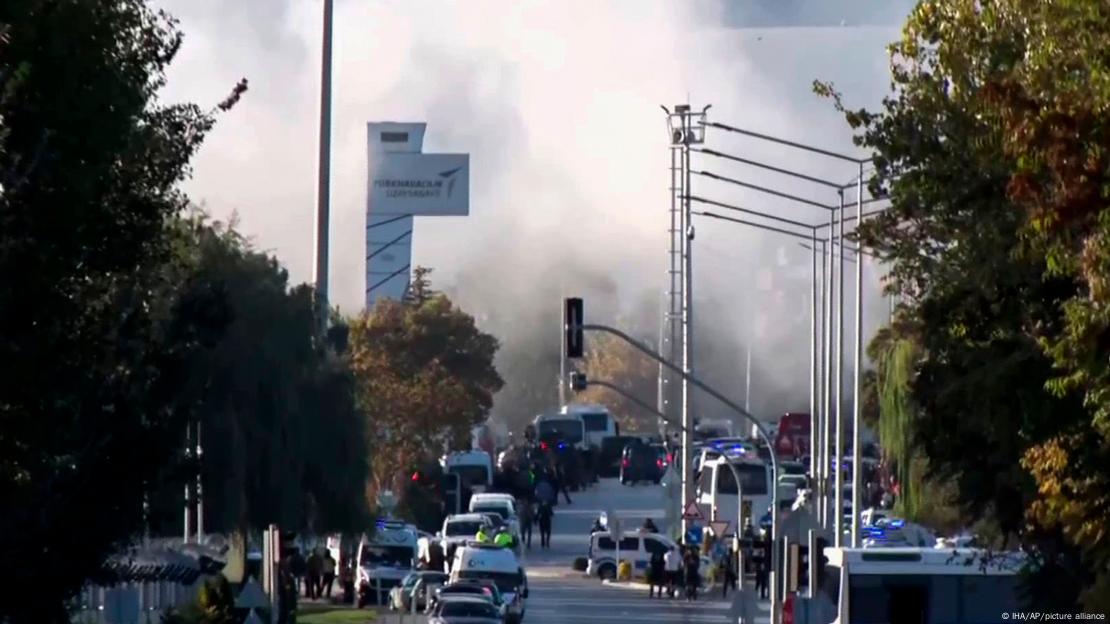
(826, 436)
(687, 425)
(813, 358)
(200, 490)
(659, 401)
(857, 470)
(839, 493)
(728, 403)
(188, 482)
(748, 376)
(323, 199)
(562, 361)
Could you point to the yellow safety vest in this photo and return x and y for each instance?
(482, 536)
(504, 540)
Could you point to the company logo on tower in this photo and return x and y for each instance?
(441, 186)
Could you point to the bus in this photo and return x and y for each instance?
(916, 585)
(554, 428)
(597, 422)
(717, 489)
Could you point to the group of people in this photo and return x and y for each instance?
(317, 571)
(532, 512)
(671, 570)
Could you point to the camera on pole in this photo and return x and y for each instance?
(572, 327)
(578, 381)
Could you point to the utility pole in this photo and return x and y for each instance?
(188, 489)
(323, 181)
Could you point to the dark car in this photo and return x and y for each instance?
(609, 455)
(640, 462)
(465, 589)
(466, 611)
(401, 597)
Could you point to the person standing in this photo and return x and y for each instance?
(312, 577)
(561, 483)
(297, 568)
(690, 566)
(545, 515)
(329, 573)
(672, 562)
(484, 535)
(525, 517)
(728, 573)
(657, 574)
(762, 567)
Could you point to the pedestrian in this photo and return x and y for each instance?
(525, 516)
(329, 573)
(544, 516)
(728, 573)
(297, 568)
(561, 483)
(761, 552)
(657, 574)
(672, 562)
(690, 566)
(314, 567)
(545, 492)
(649, 526)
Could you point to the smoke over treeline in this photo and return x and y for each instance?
(558, 105)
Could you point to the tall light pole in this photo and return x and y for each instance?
(838, 500)
(857, 470)
(323, 180)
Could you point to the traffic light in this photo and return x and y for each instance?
(572, 327)
(578, 381)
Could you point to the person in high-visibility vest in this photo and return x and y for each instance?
(503, 538)
(483, 536)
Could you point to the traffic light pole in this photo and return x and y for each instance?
(628, 395)
(575, 327)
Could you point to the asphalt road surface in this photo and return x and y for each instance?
(559, 595)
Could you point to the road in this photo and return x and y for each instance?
(559, 595)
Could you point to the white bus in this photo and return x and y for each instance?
(597, 422)
(562, 428)
(717, 491)
(917, 585)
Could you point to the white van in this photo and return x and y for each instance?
(484, 562)
(384, 560)
(636, 547)
(597, 422)
(916, 585)
(474, 468)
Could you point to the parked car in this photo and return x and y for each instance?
(640, 462)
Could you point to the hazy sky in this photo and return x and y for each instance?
(558, 104)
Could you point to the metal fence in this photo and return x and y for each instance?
(132, 603)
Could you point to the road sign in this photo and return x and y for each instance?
(692, 512)
(719, 527)
(694, 535)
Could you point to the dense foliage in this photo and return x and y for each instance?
(284, 442)
(615, 361)
(425, 377)
(95, 333)
(992, 149)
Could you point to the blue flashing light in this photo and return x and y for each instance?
(562, 445)
(897, 524)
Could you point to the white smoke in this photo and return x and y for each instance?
(558, 104)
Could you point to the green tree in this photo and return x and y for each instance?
(284, 441)
(95, 336)
(613, 360)
(425, 376)
(981, 302)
